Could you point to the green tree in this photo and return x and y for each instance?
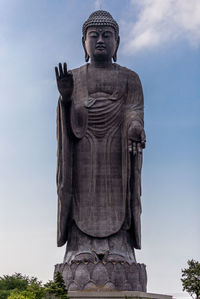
(57, 287)
(35, 286)
(191, 279)
(18, 286)
(22, 295)
(9, 283)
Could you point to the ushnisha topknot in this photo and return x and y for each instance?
(100, 18)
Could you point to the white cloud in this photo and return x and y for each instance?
(98, 4)
(161, 21)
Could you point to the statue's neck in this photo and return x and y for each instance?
(101, 64)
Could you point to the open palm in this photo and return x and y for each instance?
(64, 81)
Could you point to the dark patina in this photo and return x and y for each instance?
(100, 132)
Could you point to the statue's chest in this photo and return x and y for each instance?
(102, 81)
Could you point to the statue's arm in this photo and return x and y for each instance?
(65, 83)
(64, 172)
(134, 117)
(135, 114)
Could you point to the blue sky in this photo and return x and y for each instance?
(160, 40)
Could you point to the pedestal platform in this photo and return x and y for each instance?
(103, 276)
(114, 294)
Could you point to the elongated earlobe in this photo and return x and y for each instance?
(115, 57)
(86, 57)
(115, 54)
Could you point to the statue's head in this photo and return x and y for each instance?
(100, 36)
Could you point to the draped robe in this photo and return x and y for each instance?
(98, 181)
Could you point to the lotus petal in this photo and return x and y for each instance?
(100, 274)
(82, 275)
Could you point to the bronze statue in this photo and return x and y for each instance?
(100, 131)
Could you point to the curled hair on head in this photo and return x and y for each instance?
(100, 18)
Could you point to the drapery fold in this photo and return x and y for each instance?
(73, 127)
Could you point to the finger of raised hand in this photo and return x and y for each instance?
(134, 148)
(139, 147)
(143, 136)
(61, 70)
(143, 143)
(65, 68)
(69, 73)
(57, 74)
(130, 147)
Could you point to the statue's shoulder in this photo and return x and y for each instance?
(127, 72)
(132, 78)
(79, 70)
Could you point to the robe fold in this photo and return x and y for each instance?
(98, 181)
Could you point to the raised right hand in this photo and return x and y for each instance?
(65, 81)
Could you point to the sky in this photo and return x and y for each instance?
(160, 40)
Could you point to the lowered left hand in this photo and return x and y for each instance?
(136, 139)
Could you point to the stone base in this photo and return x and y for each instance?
(113, 295)
(103, 276)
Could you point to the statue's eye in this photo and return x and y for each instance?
(107, 34)
(93, 35)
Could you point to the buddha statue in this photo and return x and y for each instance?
(100, 132)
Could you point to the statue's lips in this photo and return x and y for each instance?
(101, 48)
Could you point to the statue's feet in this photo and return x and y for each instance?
(94, 258)
(86, 258)
(114, 258)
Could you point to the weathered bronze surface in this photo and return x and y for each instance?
(100, 131)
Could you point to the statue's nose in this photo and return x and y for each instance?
(100, 39)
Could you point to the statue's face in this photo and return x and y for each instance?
(101, 43)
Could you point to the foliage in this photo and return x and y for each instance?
(17, 286)
(22, 295)
(9, 283)
(191, 279)
(57, 287)
(15, 281)
(4, 294)
(36, 288)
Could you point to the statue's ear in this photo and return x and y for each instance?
(117, 46)
(86, 54)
